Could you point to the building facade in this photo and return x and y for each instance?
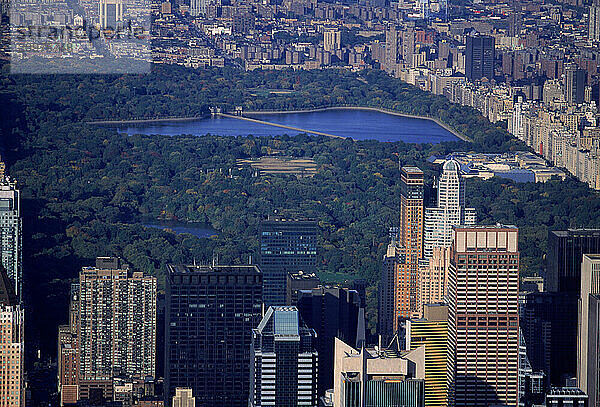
(283, 370)
(480, 57)
(433, 279)
(432, 331)
(385, 377)
(286, 246)
(588, 339)
(299, 281)
(210, 312)
(11, 239)
(332, 312)
(484, 311)
(12, 345)
(117, 322)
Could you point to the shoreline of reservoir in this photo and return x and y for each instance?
(275, 112)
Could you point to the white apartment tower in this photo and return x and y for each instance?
(450, 210)
(10, 232)
(594, 22)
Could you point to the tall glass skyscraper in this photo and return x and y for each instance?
(283, 371)
(210, 312)
(286, 246)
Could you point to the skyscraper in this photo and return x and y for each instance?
(332, 40)
(480, 57)
(565, 254)
(12, 364)
(111, 14)
(286, 246)
(385, 377)
(198, 7)
(450, 210)
(398, 283)
(574, 85)
(11, 240)
(299, 281)
(333, 312)
(588, 339)
(209, 316)
(283, 370)
(433, 332)
(68, 353)
(594, 22)
(484, 311)
(433, 279)
(117, 324)
(183, 398)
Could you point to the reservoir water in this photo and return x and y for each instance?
(357, 124)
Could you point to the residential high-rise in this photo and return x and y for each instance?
(332, 40)
(68, 353)
(283, 370)
(399, 273)
(383, 377)
(433, 332)
(588, 339)
(565, 254)
(483, 295)
(12, 364)
(480, 57)
(111, 14)
(574, 85)
(433, 279)
(209, 316)
(594, 22)
(286, 246)
(333, 312)
(117, 324)
(183, 398)
(11, 239)
(299, 281)
(450, 210)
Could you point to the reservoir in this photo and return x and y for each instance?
(354, 123)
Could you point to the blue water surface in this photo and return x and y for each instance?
(356, 124)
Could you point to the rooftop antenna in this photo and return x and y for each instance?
(250, 260)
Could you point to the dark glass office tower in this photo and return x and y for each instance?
(210, 312)
(557, 309)
(286, 246)
(479, 57)
(284, 366)
(565, 254)
(332, 312)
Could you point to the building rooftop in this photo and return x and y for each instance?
(205, 268)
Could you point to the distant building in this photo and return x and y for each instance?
(333, 312)
(299, 281)
(111, 14)
(11, 239)
(286, 246)
(450, 210)
(209, 316)
(165, 7)
(575, 86)
(198, 7)
(68, 353)
(483, 296)
(332, 40)
(12, 345)
(117, 324)
(283, 370)
(594, 22)
(588, 343)
(432, 331)
(480, 57)
(566, 397)
(183, 398)
(378, 377)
